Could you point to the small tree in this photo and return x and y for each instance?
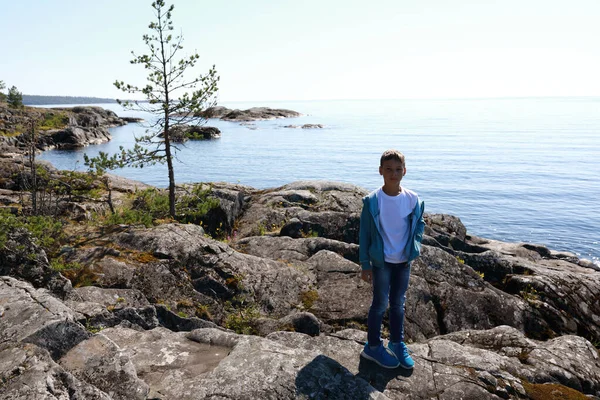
(166, 79)
(14, 98)
(2, 87)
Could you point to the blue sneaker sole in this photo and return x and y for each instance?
(368, 357)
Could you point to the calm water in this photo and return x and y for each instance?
(511, 169)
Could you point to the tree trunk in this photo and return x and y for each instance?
(34, 187)
(169, 166)
(171, 174)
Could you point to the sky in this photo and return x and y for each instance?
(314, 49)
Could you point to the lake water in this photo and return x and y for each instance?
(512, 169)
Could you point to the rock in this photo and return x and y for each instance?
(100, 362)
(174, 322)
(109, 307)
(87, 125)
(448, 224)
(305, 126)
(209, 363)
(132, 119)
(544, 279)
(273, 286)
(141, 318)
(92, 116)
(302, 322)
(545, 284)
(75, 137)
(214, 112)
(166, 282)
(183, 133)
(161, 281)
(463, 300)
(274, 370)
(287, 249)
(219, 221)
(102, 266)
(116, 298)
(327, 209)
(251, 114)
(588, 264)
(27, 372)
(120, 184)
(448, 232)
(173, 366)
(21, 258)
(444, 295)
(35, 316)
(341, 295)
(555, 361)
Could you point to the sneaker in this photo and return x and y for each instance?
(381, 355)
(401, 352)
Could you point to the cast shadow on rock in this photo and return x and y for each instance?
(325, 378)
(379, 377)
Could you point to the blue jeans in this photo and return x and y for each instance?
(389, 283)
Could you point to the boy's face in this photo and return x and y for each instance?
(392, 172)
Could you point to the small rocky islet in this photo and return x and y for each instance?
(262, 299)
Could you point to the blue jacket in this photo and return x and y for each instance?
(370, 251)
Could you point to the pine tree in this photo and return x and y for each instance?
(2, 95)
(166, 79)
(14, 98)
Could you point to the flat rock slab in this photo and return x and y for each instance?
(171, 364)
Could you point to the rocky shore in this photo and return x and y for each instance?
(63, 128)
(258, 296)
(275, 309)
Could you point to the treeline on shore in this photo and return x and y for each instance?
(36, 100)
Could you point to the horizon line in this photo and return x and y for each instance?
(356, 99)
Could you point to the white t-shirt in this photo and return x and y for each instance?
(394, 214)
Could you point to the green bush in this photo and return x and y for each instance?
(129, 217)
(46, 231)
(194, 207)
(243, 321)
(152, 204)
(75, 183)
(53, 120)
(59, 265)
(152, 201)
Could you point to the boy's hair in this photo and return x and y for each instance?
(391, 155)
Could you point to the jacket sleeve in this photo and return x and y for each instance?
(417, 237)
(364, 238)
(421, 223)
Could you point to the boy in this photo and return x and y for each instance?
(391, 229)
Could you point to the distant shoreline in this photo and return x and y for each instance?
(35, 100)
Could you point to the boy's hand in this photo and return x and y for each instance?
(366, 275)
